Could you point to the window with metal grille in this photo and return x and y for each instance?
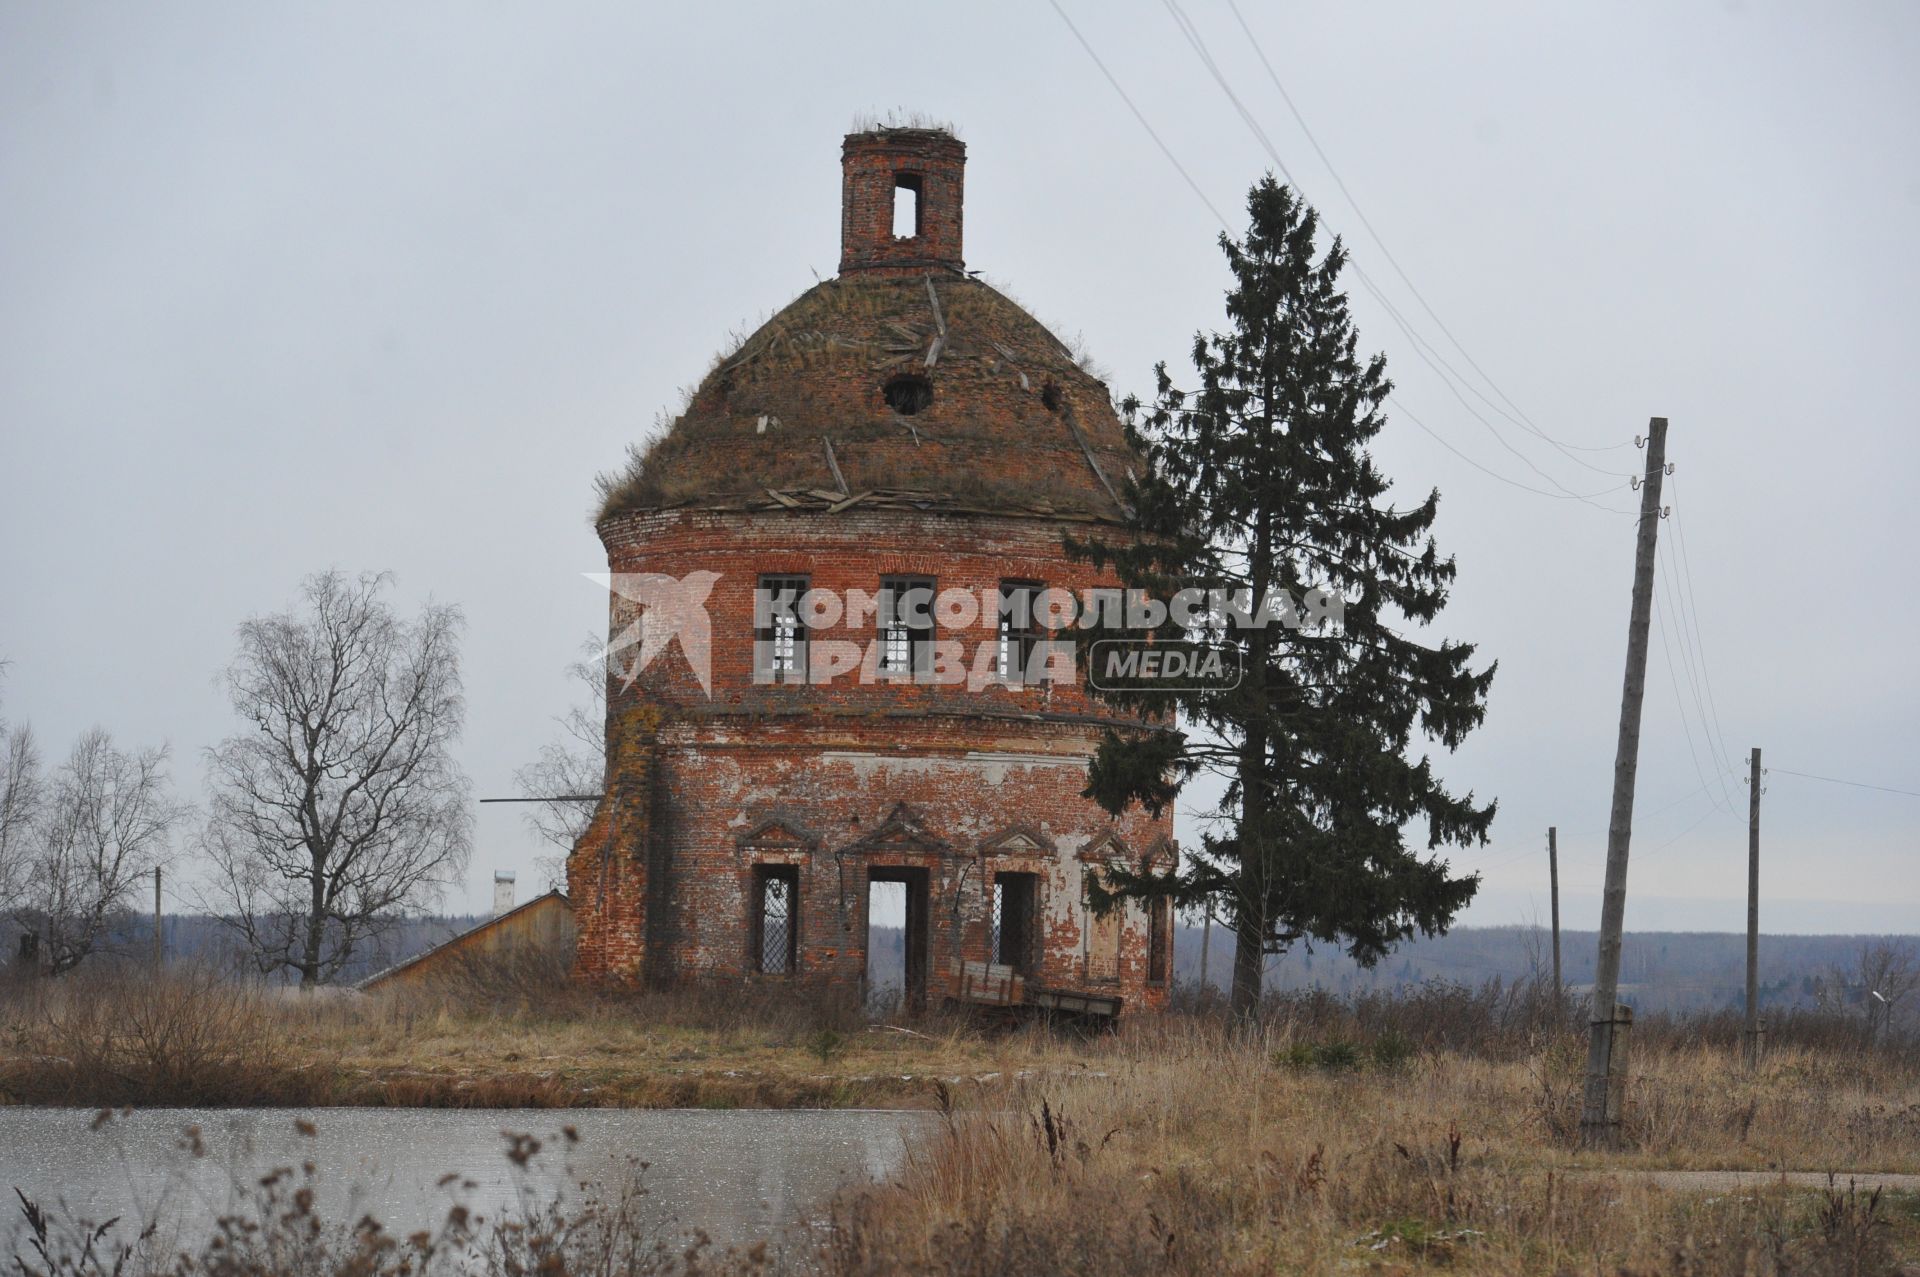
(780, 646)
(775, 934)
(1016, 921)
(906, 624)
(1019, 627)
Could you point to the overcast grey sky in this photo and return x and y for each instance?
(356, 285)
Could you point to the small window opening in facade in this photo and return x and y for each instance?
(1019, 629)
(909, 394)
(1050, 397)
(775, 933)
(907, 195)
(780, 635)
(1159, 941)
(1016, 921)
(906, 624)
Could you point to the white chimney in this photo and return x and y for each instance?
(502, 891)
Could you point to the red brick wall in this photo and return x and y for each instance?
(983, 780)
(871, 164)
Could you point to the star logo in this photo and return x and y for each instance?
(662, 609)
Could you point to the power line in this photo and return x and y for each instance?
(1494, 474)
(1689, 829)
(1835, 780)
(1522, 419)
(1679, 704)
(1693, 793)
(1392, 312)
(1430, 356)
(1164, 148)
(1693, 602)
(1670, 592)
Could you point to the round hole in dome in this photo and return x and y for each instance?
(909, 394)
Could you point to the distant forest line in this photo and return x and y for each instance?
(1661, 970)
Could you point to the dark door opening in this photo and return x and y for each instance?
(1016, 921)
(898, 894)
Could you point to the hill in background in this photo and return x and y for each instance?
(1660, 970)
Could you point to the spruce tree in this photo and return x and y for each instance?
(1260, 479)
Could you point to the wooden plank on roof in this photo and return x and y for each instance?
(933, 297)
(834, 465)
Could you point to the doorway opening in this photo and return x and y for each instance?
(1016, 921)
(896, 962)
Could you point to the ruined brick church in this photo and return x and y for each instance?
(902, 427)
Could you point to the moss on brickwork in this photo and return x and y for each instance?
(1013, 422)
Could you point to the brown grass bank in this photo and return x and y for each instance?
(192, 1037)
(1200, 1151)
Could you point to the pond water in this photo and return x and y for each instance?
(739, 1175)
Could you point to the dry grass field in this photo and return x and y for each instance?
(1426, 1132)
(1196, 1153)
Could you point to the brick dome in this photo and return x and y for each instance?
(904, 381)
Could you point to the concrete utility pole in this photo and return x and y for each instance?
(1553, 878)
(1751, 1042)
(159, 941)
(1599, 1120)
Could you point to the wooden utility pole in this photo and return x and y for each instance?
(1553, 879)
(159, 941)
(1751, 1042)
(1206, 940)
(1600, 1121)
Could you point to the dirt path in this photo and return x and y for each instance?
(1727, 1181)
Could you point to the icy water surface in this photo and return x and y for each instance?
(739, 1175)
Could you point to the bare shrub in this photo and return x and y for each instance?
(183, 1037)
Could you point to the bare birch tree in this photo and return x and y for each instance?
(339, 806)
(572, 764)
(106, 824)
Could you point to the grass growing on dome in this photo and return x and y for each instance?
(794, 379)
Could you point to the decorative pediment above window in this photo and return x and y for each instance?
(1107, 846)
(1161, 856)
(1018, 840)
(777, 835)
(901, 831)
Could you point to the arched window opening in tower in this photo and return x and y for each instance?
(909, 394)
(906, 205)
